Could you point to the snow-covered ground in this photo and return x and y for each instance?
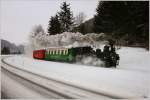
(134, 59)
(130, 79)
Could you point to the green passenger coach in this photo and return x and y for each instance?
(60, 54)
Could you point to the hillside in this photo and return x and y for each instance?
(12, 47)
(128, 26)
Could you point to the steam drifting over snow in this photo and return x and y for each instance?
(68, 39)
(42, 40)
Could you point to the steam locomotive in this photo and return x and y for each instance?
(110, 57)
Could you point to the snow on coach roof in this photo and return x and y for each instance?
(64, 47)
(51, 48)
(61, 47)
(69, 40)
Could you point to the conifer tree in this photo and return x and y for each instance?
(5, 50)
(123, 19)
(54, 25)
(66, 17)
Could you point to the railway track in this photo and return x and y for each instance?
(48, 87)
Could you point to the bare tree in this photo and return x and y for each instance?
(80, 18)
(37, 29)
(36, 33)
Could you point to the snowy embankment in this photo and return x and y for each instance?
(134, 59)
(129, 80)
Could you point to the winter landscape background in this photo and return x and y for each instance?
(125, 22)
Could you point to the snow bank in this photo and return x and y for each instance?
(65, 39)
(134, 59)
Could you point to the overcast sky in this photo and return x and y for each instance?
(17, 17)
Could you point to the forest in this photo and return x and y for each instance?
(125, 22)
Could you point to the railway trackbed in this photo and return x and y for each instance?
(49, 87)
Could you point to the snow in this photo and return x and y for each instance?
(70, 39)
(89, 60)
(9, 85)
(129, 80)
(134, 59)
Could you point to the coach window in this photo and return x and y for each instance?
(53, 52)
(47, 51)
(56, 51)
(64, 52)
(50, 52)
(60, 51)
(67, 51)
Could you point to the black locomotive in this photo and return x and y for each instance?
(108, 55)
